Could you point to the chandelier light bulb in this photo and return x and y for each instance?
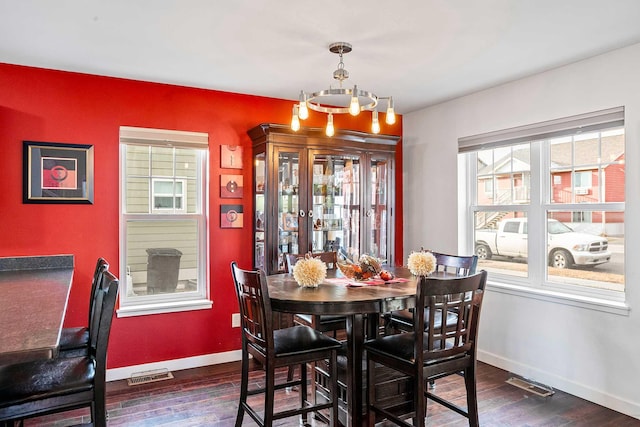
(354, 106)
(295, 121)
(330, 130)
(303, 111)
(375, 124)
(391, 115)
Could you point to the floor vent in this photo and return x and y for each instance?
(536, 389)
(138, 378)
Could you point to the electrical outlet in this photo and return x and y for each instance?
(235, 320)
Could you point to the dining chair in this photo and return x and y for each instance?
(63, 383)
(277, 348)
(319, 322)
(456, 265)
(432, 349)
(75, 341)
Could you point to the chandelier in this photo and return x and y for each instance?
(341, 100)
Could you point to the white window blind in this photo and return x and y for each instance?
(162, 137)
(583, 123)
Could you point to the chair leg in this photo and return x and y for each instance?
(290, 373)
(371, 394)
(420, 401)
(244, 385)
(99, 409)
(313, 394)
(472, 396)
(334, 390)
(303, 391)
(269, 398)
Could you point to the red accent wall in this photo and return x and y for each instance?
(55, 106)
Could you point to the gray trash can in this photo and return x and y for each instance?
(163, 266)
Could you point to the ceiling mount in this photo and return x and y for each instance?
(340, 101)
(340, 47)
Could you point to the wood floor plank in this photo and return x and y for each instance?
(208, 396)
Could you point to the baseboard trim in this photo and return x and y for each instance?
(175, 365)
(582, 391)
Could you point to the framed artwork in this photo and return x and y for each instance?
(289, 221)
(231, 156)
(231, 216)
(57, 173)
(231, 186)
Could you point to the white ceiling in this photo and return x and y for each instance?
(420, 51)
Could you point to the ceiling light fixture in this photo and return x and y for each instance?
(341, 100)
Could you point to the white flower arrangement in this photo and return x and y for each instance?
(309, 272)
(421, 263)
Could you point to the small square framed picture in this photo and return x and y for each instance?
(231, 156)
(231, 186)
(231, 216)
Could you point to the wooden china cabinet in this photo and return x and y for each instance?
(314, 193)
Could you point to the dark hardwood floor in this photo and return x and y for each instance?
(208, 396)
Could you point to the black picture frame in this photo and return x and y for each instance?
(57, 173)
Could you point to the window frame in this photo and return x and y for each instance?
(135, 305)
(536, 284)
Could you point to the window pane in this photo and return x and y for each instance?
(612, 146)
(560, 152)
(186, 163)
(504, 175)
(137, 195)
(137, 160)
(588, 168)
(160, 202)
(587, 149)
(191, 202)
(613, 174)
(163, 187)
(162, 161)
(162, 256)
(586, 248)
(501, 242)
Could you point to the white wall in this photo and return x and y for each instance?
(591, 354)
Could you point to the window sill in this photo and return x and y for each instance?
(164, 307)
(590, 303)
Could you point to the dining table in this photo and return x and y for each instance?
(357, 301)
(34, 292)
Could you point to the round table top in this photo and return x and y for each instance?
(331, 297)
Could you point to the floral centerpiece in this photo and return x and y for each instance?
(421, 263)
(366, 268)
(309, 272)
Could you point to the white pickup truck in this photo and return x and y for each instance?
(565, 246)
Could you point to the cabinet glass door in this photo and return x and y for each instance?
(336, 204)
(260, 173)
(288, 201)
(378, 212)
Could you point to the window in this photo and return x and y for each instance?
(555, 218)
(164, 243)
(168, 194)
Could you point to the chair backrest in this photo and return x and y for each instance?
(256, 317)
(104, 310)
(101, 266)
(329, 258)
(440, 296)
(456, 264)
